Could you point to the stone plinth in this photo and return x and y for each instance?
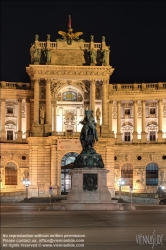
(96, 183)
(114, 206)
(38, 130)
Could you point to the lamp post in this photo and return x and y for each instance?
(26, 182)
(120, 183)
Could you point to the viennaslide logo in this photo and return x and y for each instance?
(150, 239)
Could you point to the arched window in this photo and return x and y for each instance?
(69, 96)
(66, 165)
(11, 174)
(152, 174)
(127, 174)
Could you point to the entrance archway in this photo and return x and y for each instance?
(66, 166)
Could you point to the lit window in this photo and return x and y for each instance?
(69, 96)
(127, 111)
(11, 174)
(67, 163)
(127, 174)
(9, 135)
(127, 136)
(152, 111)
(152, 135)
(152, 174)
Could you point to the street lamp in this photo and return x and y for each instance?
(120, 183)
(26, 182)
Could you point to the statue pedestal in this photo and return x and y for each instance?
(47, 128)
(89, 191)
(89, 185)
(37, 130)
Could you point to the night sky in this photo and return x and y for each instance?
(135, 31)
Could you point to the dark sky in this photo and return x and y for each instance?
(135, 31)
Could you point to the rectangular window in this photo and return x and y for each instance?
(9, 135)
(152, 135)
(152, 111)
(152, 178)
(127, 136)
(9, 110)
(127, 111)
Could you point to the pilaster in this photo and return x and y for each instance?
(48, 125)
(19, 132)
(110, 119)
(135, 133)
(3, 132)
(104, 127)
(92, 95)
(160, 116)
(143, 133)
(28, 115)
(36, 101)
(119, 134)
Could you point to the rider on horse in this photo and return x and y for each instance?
(88, 124)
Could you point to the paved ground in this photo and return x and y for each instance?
(105, 230)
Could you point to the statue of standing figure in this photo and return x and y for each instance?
(93, 54)
(36, 37)
(47, 54)
(35, 53)
(32, 51)
(105, 56)
(103, 39)
(48, 37)
(42, 115)
(92, 38)
(98, 114)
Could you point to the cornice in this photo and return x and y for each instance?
(10, 90)
(137, 92)
(51, 70)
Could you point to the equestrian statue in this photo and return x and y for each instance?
(88, 134)
(88, 157)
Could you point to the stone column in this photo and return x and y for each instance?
(104, 127)
(33, 169)
(54, 118)
(36, 101)
(135, 133)
(92, 96)
(119, 134)
(19, 133)
(3, 132)
(110, 118)
(143, 133)
(160, 116)
(110, 166)
(54, 169)
(48, 126)
(28, 116)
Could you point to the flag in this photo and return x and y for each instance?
(69, 24)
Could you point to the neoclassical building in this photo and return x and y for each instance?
(40, 120)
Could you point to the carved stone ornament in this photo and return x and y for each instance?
(90, 182)
(72, 70)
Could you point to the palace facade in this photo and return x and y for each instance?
(40, 120)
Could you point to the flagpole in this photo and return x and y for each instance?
(69, 24)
